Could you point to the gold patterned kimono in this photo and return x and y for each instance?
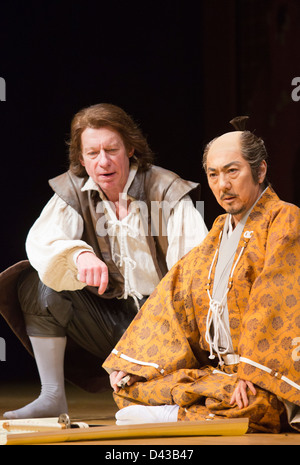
(168, 345)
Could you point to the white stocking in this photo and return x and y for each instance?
(49, 354)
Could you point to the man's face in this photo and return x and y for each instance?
(230, 178)
(106, 159)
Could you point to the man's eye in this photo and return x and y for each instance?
(92, 154)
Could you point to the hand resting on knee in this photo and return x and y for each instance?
(117, 376)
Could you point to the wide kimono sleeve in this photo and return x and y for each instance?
(164, 336)
(269, 345)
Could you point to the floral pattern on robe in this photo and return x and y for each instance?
(264, 315)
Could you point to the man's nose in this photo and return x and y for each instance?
(103, 158)
(224, 182)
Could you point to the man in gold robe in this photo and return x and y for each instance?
(219, 337)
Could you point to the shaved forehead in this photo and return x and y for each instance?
(230, 141)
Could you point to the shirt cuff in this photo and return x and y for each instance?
(78, 252)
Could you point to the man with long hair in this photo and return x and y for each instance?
(113, 228)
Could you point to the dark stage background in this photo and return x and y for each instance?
(182, 69)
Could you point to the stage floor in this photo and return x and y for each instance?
(100, 409)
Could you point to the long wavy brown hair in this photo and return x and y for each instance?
(107, 115)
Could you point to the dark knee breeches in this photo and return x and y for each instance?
(95, 323)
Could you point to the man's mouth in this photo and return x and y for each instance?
(227, 195)
(106, 175)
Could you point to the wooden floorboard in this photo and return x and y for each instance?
(100, 409)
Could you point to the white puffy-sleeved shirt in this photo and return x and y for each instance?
(54, 242)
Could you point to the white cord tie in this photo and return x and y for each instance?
(214, 321)
(122, 229)
(216, 309)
